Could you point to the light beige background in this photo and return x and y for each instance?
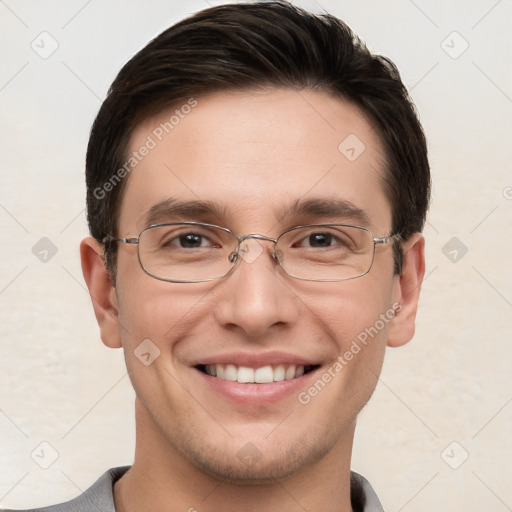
(452, 384)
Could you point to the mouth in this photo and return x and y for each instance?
(261, 375)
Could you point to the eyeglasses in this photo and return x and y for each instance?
(193, 252)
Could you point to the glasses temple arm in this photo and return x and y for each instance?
(110, 238)
(387, 239)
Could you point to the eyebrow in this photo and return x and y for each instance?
(325, 208)
(319, 208)
(169, 208)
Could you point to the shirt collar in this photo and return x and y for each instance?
(362, 495)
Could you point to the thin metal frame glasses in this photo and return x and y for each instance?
(193, 252)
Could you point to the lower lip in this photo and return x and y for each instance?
(257, 394)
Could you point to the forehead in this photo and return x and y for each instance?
(254, 155)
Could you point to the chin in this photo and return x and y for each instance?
(250, 465)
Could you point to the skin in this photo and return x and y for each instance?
(252, 152)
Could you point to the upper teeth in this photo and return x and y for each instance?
(261, 375)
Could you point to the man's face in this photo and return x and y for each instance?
(256, 156)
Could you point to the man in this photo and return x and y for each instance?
(257, 184)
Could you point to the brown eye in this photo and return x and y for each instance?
(190, 241)
(320, 240)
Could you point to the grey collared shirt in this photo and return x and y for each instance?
(100, 498)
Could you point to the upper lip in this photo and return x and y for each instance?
(256, 360)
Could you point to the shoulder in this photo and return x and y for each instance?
(98, 498)
(362, 495)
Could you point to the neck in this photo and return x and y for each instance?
(163, 480)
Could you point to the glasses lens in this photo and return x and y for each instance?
(186, 252)
(326, 252)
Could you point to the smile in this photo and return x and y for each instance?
(262, 375)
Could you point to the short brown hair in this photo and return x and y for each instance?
(261, 44)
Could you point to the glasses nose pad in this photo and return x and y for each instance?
(276, 255)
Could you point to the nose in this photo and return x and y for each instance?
(256, 296)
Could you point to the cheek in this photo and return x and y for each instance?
(156, 317)
(357, 323)
(157, 310)
(351, 310)
(356, 319)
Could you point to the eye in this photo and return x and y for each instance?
(322, 239)
(189, 241)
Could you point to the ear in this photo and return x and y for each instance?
(102, 292)
(407, 291)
